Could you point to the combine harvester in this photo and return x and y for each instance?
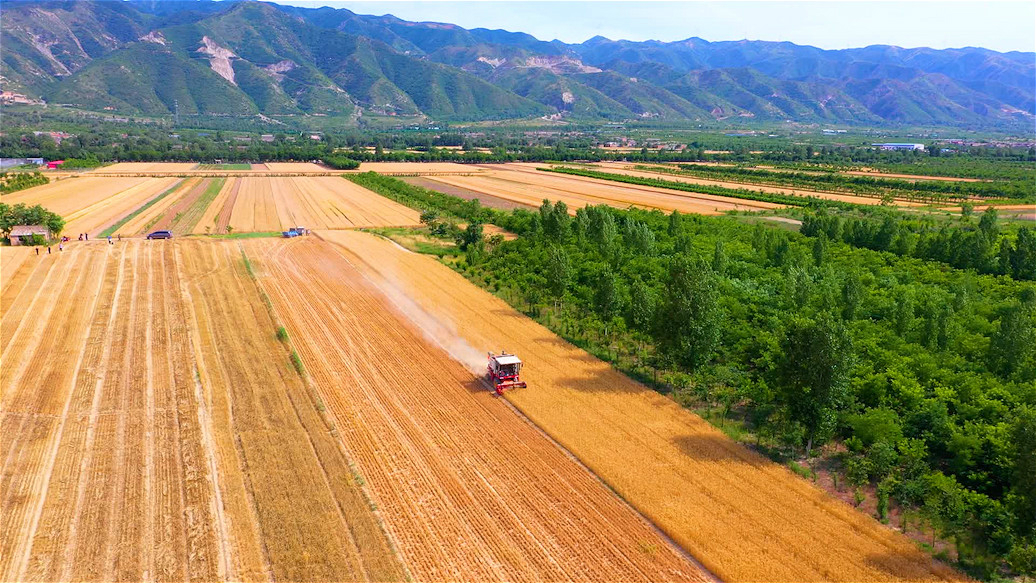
(502, 372)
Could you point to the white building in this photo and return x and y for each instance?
(895, 146)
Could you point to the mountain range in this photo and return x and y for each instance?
(252, 58)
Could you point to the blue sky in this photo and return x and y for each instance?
(997, 25)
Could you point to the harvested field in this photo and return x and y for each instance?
(273, 204)
(147, 427)
(486, 199)
(530, 187)
(90, 204)
(297, 167)
(627, 169)
(468, 490)
(416, 168)
(744, 517)
(11, 258)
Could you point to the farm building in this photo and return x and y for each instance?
(21, 232)
(895, 146)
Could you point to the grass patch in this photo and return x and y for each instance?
(282, 334)
(224, 166)
(801, 470)
(296, 363)
(192, 216)
(248, 264)
(111, 230)
(250, 235)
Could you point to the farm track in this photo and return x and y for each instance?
(146, 429)
(744, 517)
(467, 489)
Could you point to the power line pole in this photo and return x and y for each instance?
(176, 112)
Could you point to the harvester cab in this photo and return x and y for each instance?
(503, 372)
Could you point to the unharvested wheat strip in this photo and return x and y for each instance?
(241, 555)
(242, 217)
(631, 170)
(284, 202)
(209, 554)
(66, 197)
(94, 218)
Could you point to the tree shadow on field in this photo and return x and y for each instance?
(709, 445)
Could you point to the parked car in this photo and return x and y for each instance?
(160, 235)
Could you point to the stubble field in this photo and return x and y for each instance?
(528, 186)
(155, 429)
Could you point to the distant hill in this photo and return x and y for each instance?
(240, 58)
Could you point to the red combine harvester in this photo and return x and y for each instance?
(503, 370)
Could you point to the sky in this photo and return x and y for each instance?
(997, 25)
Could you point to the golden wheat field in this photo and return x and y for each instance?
(744, 517)
(91, 204)
(156, 429)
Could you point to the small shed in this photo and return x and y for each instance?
(53, 164)
(26, 232)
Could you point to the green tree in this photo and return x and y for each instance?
(559, 272)
(642, 305)
(1013, 346)
(1023, 488)
(675, 224)
(606, 295)
(812, 373)
(472, 236)
(852, 295)
(719, 258)
(819, 249)
(689, 316)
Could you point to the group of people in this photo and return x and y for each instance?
(82, 237)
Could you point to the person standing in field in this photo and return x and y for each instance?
(37, 250)
(109, 239)
(61, 246)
